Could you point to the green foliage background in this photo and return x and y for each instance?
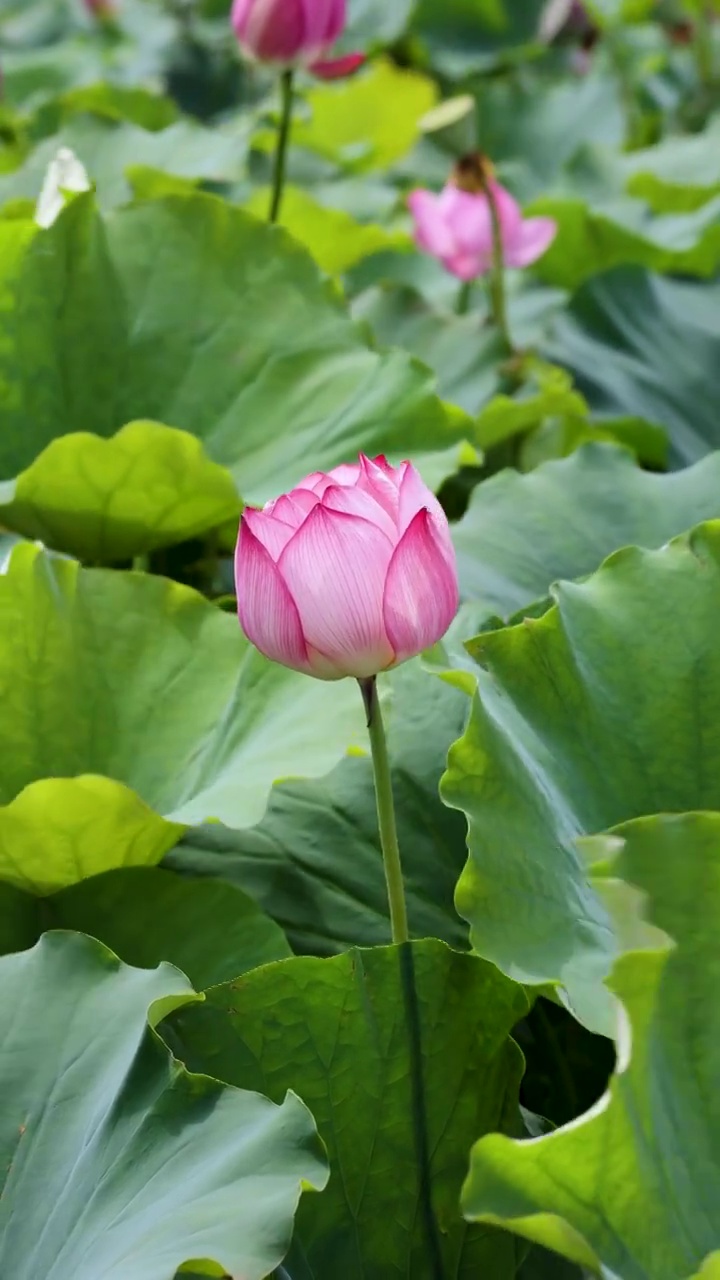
(201, 1021)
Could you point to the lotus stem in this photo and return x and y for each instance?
(386, 811)
(286, 89)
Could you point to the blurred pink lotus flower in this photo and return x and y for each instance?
(337, 68)
(293, 33)
(349, 574)
(456, 227)
(100, 8)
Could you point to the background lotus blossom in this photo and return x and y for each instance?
(338, 68)
(290, 33)
(349, 574)
(65, 175)
(456, 227)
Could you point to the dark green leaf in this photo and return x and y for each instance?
(213, 932)
(472, 35)
(314, 861)
(335, 1031)
(646, 346)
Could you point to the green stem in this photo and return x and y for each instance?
(462, 305)
(281, 151)
(622, 66)
(704, 49)
(385, 810)
(419, 1109)
(400, 935)
(498, 295)
(141, 563)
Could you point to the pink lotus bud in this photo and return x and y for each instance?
(100, 8)
(456, 227)
(349, 574)
(288, 33)
(338, 68)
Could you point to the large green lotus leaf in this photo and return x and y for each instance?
(118, 102)
(8, 541)
(204, 318)
(405, 276)
(587, 717)
(155, 184)
(646, 346)
(336, 1030)
(555, 438)
(143, 681)
(117, 1160)
(594, 238)
(534, 136)
(49, 48)
(376, 20)
(468, 357)
(58, 831)
(186, 149)
(335, 240)
(314, 861)
(464, 36)
(350, 123)
(35, 74)
(58, 371)
(521, 533)
(211, 931)
(609, 13)
(678, 174)
(551, 415)
(149, 486)
(508, 416)
(710, 1269)
(465, 355)
(632, 1187)
(409, 300)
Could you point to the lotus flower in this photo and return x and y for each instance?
(349, 574)
(65, 176)
(338, 68)
(293, 33)
(456, 227)
(100, 8)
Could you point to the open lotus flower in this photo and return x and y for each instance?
(456, 227)
(294, 33)
(349, 574)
